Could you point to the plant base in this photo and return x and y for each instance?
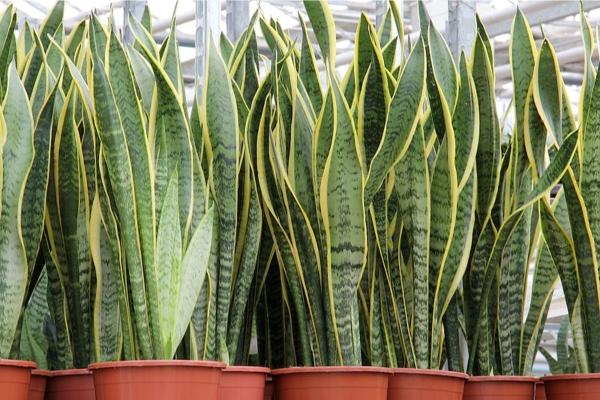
(157, 380)
(331, 383)
(37, 385)
(572, 387)
(70, 384)
(424, 384)
(243, 383)
(14, 379)
(500, 388)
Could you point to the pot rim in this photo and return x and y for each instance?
(70, 372)
(156, 363)
(17, 363)
(503, 378)
(430, 372)
(41, 372)
(337, 369)
(247, 369)
(570, 377)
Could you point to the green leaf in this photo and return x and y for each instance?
(323, 26)
(402, 118)
(222, 147)
(547, 90)
(16, 134)
(343, 216)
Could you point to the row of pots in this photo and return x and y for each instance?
(158, 380)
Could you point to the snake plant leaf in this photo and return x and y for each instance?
(402, 119)
(168, 264)
(389, 54)
(107, 264)
(50, 26)
(324, 131)
(373, 104)
(545, 280)
(226, 47)
(308, 71)
(384, 32)
(412, 185)
(547, 90)
(512, 275)
(221, 138)
(8, 23)
(193, 270)
(398, 20)
(132, 120)
(585, 250)
(556, 168)
(175, 138)
(488, 151)
(69, 227)
(523, 55)
(465, 123)
(143, 36)
(112, 136)
(502, 238)
(169, 58)
(34, 196)
(363, 49)
(589, 74)
(321, 20)
(34, 343)
(441, 65)
(247, 265)
(534, 136)
(16, 134)
(341, 196)
(144, 78)
(562, 251)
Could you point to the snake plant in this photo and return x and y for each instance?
(572, 230)
(503, 335)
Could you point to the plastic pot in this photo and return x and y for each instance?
(243, 383)
(14, 379)
(540, 391)
(70, 384)
(269, 388)
(157, 380)
(500, 388)
(425, 384)
(331, 383)
(572, 387)
(37, 384)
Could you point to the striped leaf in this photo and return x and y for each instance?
(16, 134)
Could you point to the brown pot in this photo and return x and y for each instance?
(269, 388)
(572, 387)
(157, 380)
(243, 383)
(331, 383)
(540, 391)
(425, 384)
(14, 379)
(37, 385)
(70, 384)
(500, 388)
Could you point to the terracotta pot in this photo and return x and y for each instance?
(14, 379)
(572, 387)
(243, 383)
(37, 385)
(269, 388)
(540, 391)
(331, 383)
(157, 380)
(424, 384)
(70, 384)
(500, 388)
